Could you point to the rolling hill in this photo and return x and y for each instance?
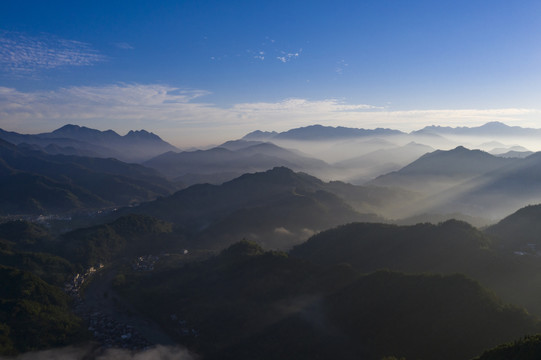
(269, 207)
(33, 182)
(520, 231)
(274, 306)
(231, 160)
(438, 170)
(449, 247)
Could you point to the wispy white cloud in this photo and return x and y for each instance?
(260, 55)
(269, 49)
(300, 106)
(117, 107)
(174, 114)
(341, 66)
(286, 57)
(21, 54)
(124, 46)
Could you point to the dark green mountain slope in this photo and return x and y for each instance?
(272, 306)
(269, 204)
(33, 314)
(453, 315)
(34, 182)
(132, 235)
(450, 247)
(24, 235)
(30, 247)
(527, 348)
(520, 231)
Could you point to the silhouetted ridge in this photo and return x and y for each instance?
(276, 208)
(33, 182)
(80, 140)
(320, 133)
(452, 246)
(142, 134)
(442, 169)
(527, 348)
(520, 230)
(494, 128)
(242, 249)
(230, 161)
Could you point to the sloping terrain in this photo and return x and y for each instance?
(33, 182)
(220, 164)
(439, 170)
(273, 306)
(278, 207)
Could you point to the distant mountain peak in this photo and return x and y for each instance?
(139, 132)
(495, 124)
(489, 129)
(83, 133)
(142, 134)
(260, 135)
(76, 129)
(320, 132)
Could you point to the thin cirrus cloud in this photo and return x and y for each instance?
(21, 54)
(173, 114)
(123, 46)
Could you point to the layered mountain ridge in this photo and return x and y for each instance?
(135, 146)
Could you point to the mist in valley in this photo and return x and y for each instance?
(244, 246)
(215, 180)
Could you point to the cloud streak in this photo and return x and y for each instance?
(21, 54)
(124, 46)
(182, 118)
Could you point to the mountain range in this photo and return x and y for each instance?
(320, 133)
(34, 182)
(261, 253)
(502, 257)
(469, 181)
(494, 128)
(135, 146)
(276, 208)
(272, 305)
(440, 169)
(231, 160)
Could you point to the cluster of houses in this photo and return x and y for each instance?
(529, 249)
(73, 286)
(145, 263)
(182, 326)
(111, 333)
(107, 331)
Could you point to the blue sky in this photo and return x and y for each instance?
(199, 72)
